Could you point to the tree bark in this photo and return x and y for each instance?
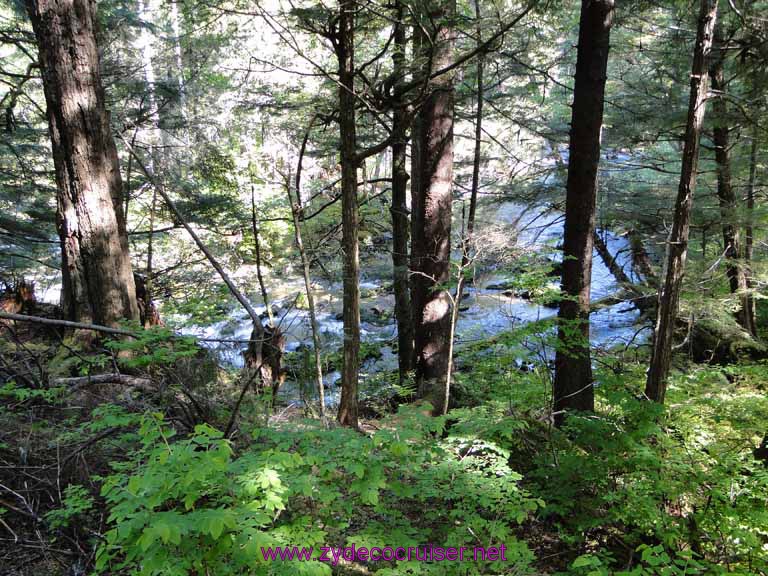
(749, 232)
(347, 415)
(677, 245)
(399, 209)
(737, 278)
(573, 385)
(432, 215)
(97, 279)
(417, 69)
(466, 240)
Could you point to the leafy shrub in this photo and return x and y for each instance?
(191, 506)
(673, 491)
(157, 345)
(76, 501)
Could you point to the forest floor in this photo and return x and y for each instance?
(627, 490)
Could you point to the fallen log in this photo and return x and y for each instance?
(80, 382)
(721, 340)
(630, 292)
(610, 261)
(104, 329)
(642, 302)
(65, 324)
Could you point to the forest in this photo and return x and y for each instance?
(383, 287)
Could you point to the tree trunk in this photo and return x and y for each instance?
(297, 211)
(175, 21)
(97, 280)
(147, 310)
(432, 215)
(466, 240)
(677, 245)
(417, 70)
(349, 214)
(148, 314)
(477, 158)
(749, 232)
(573, 369)
(737, 279)
(399, 208)
(257, 247)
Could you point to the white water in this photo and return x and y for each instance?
(488, 313)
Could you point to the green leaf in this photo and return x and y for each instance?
(357, 468)
(584, 561)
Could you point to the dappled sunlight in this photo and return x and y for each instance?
(412, 287)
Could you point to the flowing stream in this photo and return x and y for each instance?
(485, 311)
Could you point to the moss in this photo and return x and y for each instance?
(720, 340)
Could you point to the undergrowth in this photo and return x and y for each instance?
(633, 489)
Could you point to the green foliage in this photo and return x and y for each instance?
(107, 416)
(155, 346)
(406, 388)
(301, 301)
(495, 369)
(191, 505)
(76, 501)
(208, 303)
(682, 487)
(12, 391)
(633, 489)
(653, 561)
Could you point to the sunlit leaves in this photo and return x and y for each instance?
(191, 497)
